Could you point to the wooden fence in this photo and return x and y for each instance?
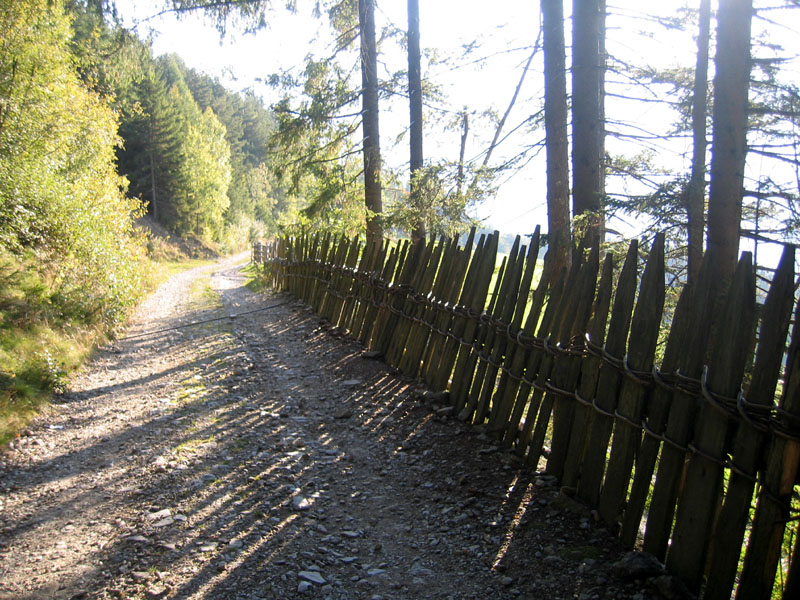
(677, 459)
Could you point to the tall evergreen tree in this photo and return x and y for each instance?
(248, 126)
(201, 197)
(175, 154)
(696, 190)
(415, 110)
(555, 122)
(150, 129)
(370, 119)
(588, 115)
(729, 134)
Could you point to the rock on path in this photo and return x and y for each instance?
(261, 458)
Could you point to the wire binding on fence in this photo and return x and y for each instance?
(763, 418)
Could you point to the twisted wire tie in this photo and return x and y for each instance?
(582, 400)
(660, 378)
(626, 419)
(743, 407)
(601, 410)
(715, 400)
(643, 378)
(686, 384)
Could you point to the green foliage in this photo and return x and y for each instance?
(71, 264)
(775, 117)
(175, 154)
(771, 191)
(108, 58)
(436, 201)
(343, 17)
(150, 130)
(248, 15)
(661, 197)
(204, 173)
(196, 152)
(248, 127)
(315, 155)
(60, 196)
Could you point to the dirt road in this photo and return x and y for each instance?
(264, 457)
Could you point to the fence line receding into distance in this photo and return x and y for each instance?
(694, 459)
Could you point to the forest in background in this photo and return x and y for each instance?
(628, 137)
(193, 152)
(96, 131)
(95, 134)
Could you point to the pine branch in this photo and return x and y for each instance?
(212, 4)
(502, 122)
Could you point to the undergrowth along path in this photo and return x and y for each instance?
(263, 457)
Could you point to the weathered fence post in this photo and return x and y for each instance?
(466, 328)
(453, 323)
(377, 317)
(513, 313)
(541, 367)
(748, 444)
(721, 380)
(508, 346)
(590, 371)
(780, 475)
(505, 423)
(605, 401)
(566, 369)
(424, 328)
(420, 283)
(534, 375)
(637, 366)
(503, 306)
(381, 254)
(682, 413)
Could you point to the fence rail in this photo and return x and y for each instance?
(694, 459)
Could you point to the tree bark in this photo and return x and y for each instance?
(462, 153)
(153, 201)
(696, 191)
(555, 124)
(369, 104)
(415, 109)
(588, 115)
(729, 133)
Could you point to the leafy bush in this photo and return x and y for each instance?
(71, 264)
(63, 208)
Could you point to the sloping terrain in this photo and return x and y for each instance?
(264, 457)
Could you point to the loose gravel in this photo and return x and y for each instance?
(266, 457)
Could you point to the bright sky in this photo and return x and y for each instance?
(241, 61)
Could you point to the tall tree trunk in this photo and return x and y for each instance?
(555, 124)
(415, 106)
(153, 187)
(729, 132)
(696, 192)
(150, 150)
(369, 104)
(588, 115)
(462, 152)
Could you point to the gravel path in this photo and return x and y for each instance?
(264, 457)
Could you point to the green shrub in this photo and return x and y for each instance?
(71, 264)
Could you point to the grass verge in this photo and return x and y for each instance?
(40, 346)
(256, 282)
